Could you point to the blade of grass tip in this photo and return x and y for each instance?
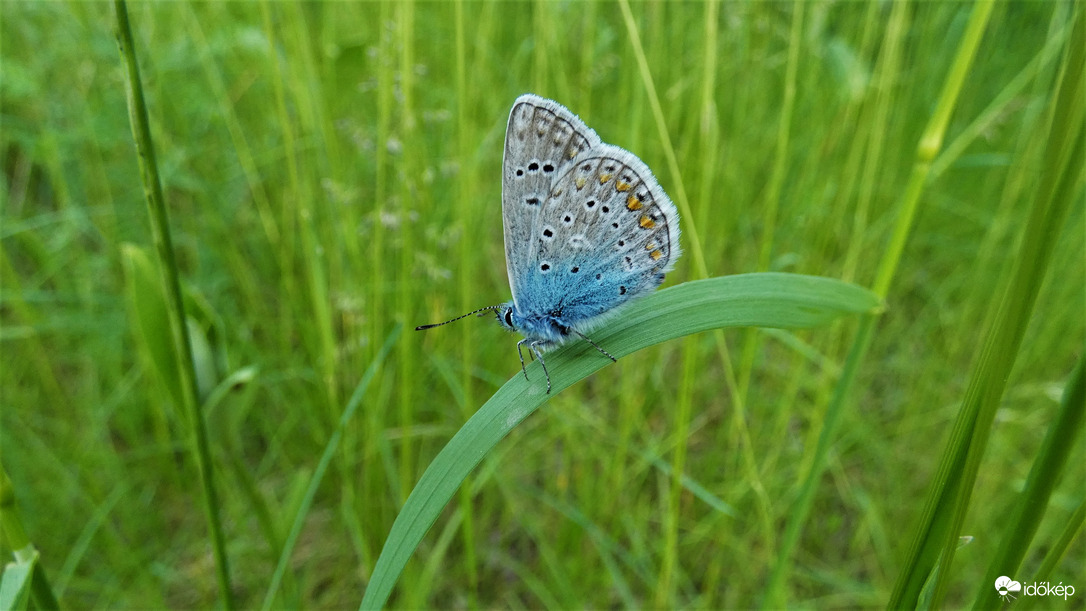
(763, 300)
(322, 466)
(160, 231)
(929, 145)
(1029, 508)
(1058, 185)
(25, 553)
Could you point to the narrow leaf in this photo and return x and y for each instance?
(758, 300)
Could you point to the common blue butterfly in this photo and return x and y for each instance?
(587, 228)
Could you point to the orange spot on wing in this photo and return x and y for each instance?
(605, 177)
(623, 186)
(646, 222)
(633, 203)
(581, 180)
(656, 254)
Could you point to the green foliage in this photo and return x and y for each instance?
(331, 174)
(759, 300)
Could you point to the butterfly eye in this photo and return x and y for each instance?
(509, 317)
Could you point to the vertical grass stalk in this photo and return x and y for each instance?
(930, 142)
(160, 232)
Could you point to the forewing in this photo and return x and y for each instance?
(542, 140)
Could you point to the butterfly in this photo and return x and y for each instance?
(587, 229)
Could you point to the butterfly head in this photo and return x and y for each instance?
(504, 313)
(546, 329)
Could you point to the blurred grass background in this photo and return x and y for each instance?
(332, 171)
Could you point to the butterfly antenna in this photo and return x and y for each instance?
(438, 324)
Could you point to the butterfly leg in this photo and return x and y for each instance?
(539, 355)
(595, 345)
(521, 355)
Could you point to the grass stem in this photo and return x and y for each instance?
(160, 232)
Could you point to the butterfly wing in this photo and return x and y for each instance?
(604, 234)
(542, 140)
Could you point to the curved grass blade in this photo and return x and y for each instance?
(751, 300)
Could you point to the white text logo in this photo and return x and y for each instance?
(1007, 588)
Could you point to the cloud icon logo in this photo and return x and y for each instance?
(1005, 586)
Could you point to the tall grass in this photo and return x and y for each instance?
(331, 173)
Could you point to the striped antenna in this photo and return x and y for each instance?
(438, 324)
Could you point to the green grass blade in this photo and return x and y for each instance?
(760, 300)
(1029, 508)
(160, 230)
(149, 321)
